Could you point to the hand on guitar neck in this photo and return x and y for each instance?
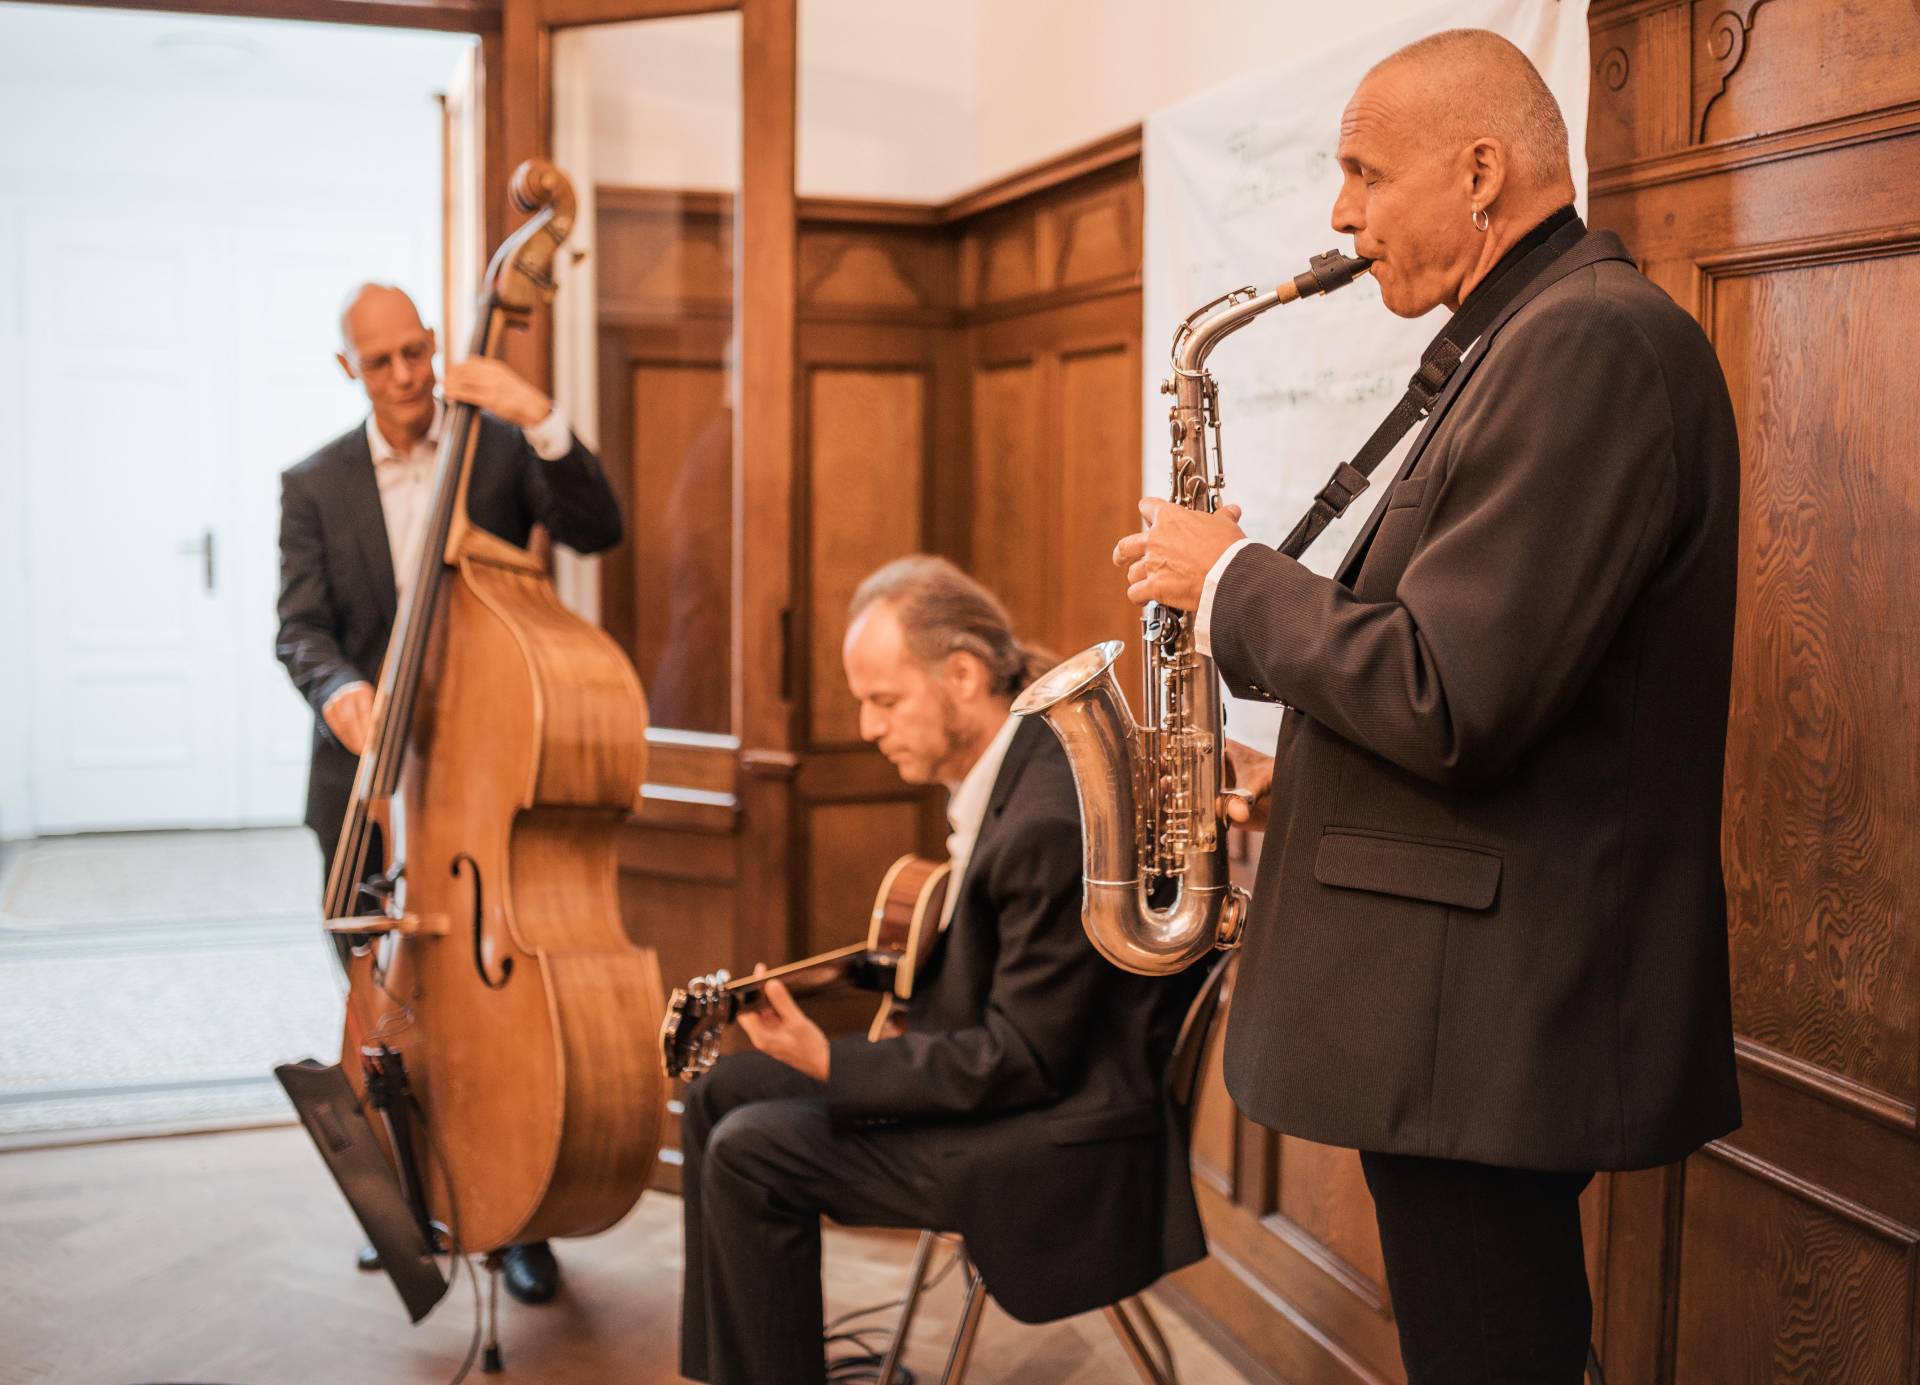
(781, 1030)
(900, 936)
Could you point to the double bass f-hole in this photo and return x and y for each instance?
(479, 919)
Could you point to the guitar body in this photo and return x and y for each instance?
(901, 933)
(906, 917)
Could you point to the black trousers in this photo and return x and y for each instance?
(1485, 1267)
(762, 1164)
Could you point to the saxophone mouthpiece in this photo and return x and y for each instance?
(1329, 271)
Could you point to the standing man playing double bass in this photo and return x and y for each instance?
(352, 519)
(1488, 944)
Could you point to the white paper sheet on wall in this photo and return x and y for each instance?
(1239, 186)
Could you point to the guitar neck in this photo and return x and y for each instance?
(805, 977)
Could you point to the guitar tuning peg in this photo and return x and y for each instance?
(721, 977)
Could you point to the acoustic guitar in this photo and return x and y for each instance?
(900, 935)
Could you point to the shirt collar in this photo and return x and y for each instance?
(967, 805)
(383, 451)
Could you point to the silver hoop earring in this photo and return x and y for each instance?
(1480, 222)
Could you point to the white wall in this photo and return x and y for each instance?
(888, 99)
(917, 101)
(1070, 71)
(310, 156)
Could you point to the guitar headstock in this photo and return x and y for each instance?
(695, 1018)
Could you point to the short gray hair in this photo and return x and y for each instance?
(1484, 85)
(943, 611)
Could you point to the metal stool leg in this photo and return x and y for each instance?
(1140, 1336)
(916, 1280)
(491, 1362)
(970, 1314)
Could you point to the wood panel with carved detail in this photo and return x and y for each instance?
(1759, 158)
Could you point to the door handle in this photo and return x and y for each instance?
(203, 548)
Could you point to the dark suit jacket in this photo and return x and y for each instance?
(1489, 922)
(337, 595)
(1069, 1166)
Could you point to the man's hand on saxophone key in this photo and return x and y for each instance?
(1169, 559)
(1249, 780)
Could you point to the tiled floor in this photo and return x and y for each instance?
(152, 980)
(229, 1258)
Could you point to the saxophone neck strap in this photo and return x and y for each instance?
(1519, 268)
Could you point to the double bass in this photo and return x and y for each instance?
(498, 1081)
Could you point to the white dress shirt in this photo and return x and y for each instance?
(406, 488)
(1203, 618)
(967, 809)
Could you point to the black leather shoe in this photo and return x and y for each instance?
(531, 1272)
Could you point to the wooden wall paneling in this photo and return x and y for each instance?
(1096, 235)
(1325, 1213)
(1820, 798)
(1056, 474)
(1011, 515)
(876, 304)
(950, 490)
(1780, 213)
(1639, 101)
(679, 548)
(1075, 242)
(1781, 1280)
(864, 272)
(874, 288)
(678, 882)
(866, 432)
(844, 839)
(1100, 487)
(1753, 60)
(665, 304)
(1293, 1288)
(664, 256)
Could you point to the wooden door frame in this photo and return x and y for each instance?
(763, 492)
(516, 42)
(763, 719)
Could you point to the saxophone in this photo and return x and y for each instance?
(1157, 895)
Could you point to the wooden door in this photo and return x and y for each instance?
(1051, 285)
(1760, 158)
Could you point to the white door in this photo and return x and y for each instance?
(174, 369)
(132, 667)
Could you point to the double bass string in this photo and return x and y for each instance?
(409, 647)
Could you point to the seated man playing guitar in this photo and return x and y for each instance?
(1021, 1104)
